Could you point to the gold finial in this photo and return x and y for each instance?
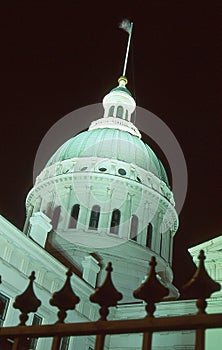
(122, 80)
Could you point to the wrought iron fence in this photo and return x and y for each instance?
(200, 287)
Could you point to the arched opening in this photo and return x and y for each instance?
(169, 245)
(49, 211)
(111, 111)
(119, 112)
(94, 217)
(115, 220)
(56, 216)
(161, 244)
(74, 216)
(149, 234)
(134, 227)
(38, 203)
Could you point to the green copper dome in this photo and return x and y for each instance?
(112, 144)
(121, 88)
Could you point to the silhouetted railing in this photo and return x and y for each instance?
(200, 287)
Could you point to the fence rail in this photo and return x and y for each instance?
(161, 324)
(200, 287)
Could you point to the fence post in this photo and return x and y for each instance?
(100, 340)
(200, 339)
(26, 302)
(200, 287)
(147, 341)
(56, 343)
(105, 296)
(151, 291)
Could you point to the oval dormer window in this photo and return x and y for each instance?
(122, 171)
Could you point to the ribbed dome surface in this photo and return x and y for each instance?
(122, 89)
(113, 144)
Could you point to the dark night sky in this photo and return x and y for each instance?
(57, 57)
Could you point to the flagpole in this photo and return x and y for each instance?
(127, 49)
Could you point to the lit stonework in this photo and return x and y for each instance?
(106, 191)
(213, 251)
(107, 197)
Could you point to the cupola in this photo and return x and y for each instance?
(119, 106)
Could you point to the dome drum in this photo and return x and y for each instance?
(89, 189)
(85, 180)
(107, 167)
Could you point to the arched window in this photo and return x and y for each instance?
(114, 227)
(126, 114)
(134, 228)
(94, 217)
(161, 244)
(119, 112)
(56, 216)
(74, 216)
(38, 203)
(111, 111)
(169, 246)
(149, 234)
(48, 211)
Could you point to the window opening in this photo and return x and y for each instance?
(119, 112)
(33, 341)
(149, 234)
(111, 111)
(74, 216)
(94, 218)
(115, 220)
(4, 307)
(161, 244)
(56, 216)
(64, 345)
(134, 228)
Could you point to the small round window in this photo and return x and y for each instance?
(102, 169)
(122, 172)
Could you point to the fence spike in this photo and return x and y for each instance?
(65, 299)
(151, 291)
(200, 286)
(27, 302)
(106, 295)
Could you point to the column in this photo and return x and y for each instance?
(40, 227)
(90, 270)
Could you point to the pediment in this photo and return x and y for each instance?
(213, 246)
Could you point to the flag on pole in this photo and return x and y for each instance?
(126, 25)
